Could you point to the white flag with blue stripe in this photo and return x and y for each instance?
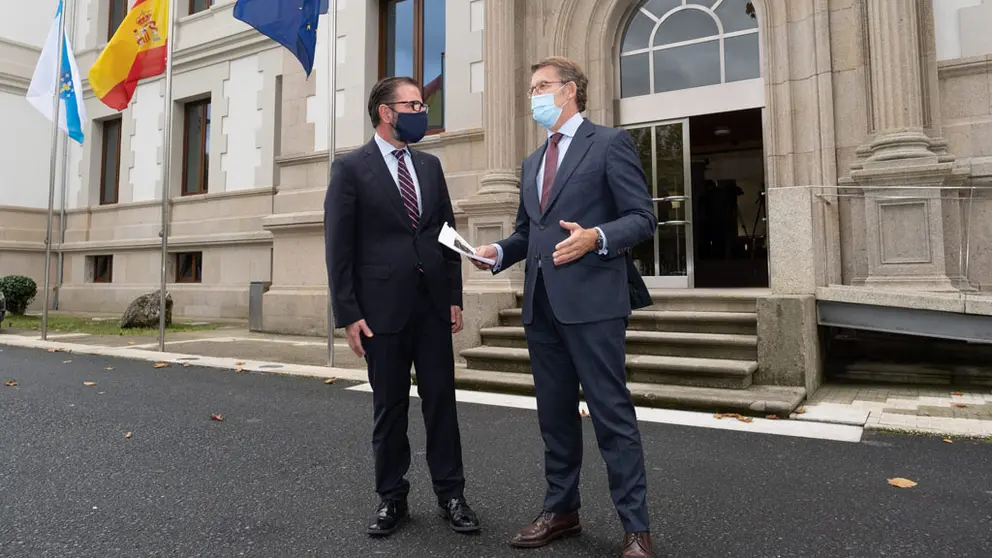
(72, 113)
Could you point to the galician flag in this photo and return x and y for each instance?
(41, 92)
(136, 51)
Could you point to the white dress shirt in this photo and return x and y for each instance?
(393, 164)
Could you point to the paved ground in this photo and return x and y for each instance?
(287, 473)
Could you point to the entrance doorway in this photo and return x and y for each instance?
(706, 177)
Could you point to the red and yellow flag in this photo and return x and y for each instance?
(137, 50)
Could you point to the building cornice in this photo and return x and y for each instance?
(17, 62)
(960, 67)
(175, 242)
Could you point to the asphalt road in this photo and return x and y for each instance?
(288, 473)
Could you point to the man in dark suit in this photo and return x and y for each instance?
(584, 204)
(398, 295)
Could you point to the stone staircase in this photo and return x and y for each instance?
(694, 349)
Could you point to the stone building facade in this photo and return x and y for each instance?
(816, 159)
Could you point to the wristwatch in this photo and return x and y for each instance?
(599, 241)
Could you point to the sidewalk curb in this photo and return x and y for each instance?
(244, 365)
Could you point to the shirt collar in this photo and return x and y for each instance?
(570, 127)
(387, 148)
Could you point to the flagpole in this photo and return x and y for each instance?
(51, 175)
(70, 17)
(332, 65)
(166, 169)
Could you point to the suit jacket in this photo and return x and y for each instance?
(600, 183)
(373, 254)
(640, 297)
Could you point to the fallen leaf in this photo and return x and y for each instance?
(185, 365)
(127, 435)
(109, 368)
(10, 383)
(745, 419)
(217, 417)
(772, 417)
(239, 363)
(801, 411)
(53, 350)
(89, 384)
(330, 380)
(948, 441)
(959, 405)
(957, 393)
(161, 365)
(727, 415)
(240, 370)
(902, 483)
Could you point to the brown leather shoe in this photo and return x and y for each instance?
(637, 545)
(548, 527)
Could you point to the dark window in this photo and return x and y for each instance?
(196, 147)
(103, 269)
(412, 44)
(197, 6)
(111, 162)
(189, 267)
(118, 9)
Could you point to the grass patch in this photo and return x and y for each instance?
(111, 326)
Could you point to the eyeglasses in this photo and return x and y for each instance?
(415, 106)
(542, 87)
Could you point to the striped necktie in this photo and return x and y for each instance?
(407, 190)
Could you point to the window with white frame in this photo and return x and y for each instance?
(671, 45)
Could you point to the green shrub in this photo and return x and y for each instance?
(19, 292)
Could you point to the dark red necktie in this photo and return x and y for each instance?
(407, 191)
(550, 168)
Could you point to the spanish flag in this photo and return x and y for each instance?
(136, 51)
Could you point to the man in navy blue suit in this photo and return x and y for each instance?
(398, 294)
(584, 204)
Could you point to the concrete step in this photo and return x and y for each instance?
(759, 400)
(699, 372)
(658, 343)
(731, 323)
(698, 300)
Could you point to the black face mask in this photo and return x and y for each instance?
(410, 127)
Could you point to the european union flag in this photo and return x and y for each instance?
(291, 23)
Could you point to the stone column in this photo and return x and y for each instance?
(491, 212)
(499, 99)
(912, 218)
(896, 80)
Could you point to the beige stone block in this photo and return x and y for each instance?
(845, 39)
(842, 5)
(800, 10)
(792, 252)
(805, 110)
(845, 156)
(965, 96)
(788, 343)
(778, 59)
(981, 139)
(777, 12)
(853, 238)
(958, 138)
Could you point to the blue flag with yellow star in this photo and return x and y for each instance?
(291, 23)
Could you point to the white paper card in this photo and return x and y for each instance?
(450, 238)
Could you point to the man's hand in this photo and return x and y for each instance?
(489, 252)
(456, 319)
(354, 333)
(579, 243)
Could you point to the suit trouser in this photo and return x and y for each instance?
(426, 343)
(563, 356)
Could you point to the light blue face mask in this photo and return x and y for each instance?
(544, 110)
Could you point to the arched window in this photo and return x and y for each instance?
(670, 45)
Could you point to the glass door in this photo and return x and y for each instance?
(666, 260)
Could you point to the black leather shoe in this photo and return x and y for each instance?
(460, 516)
(389, 516)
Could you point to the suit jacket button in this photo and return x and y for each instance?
(542, 227)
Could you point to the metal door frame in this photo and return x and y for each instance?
(658, 281)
